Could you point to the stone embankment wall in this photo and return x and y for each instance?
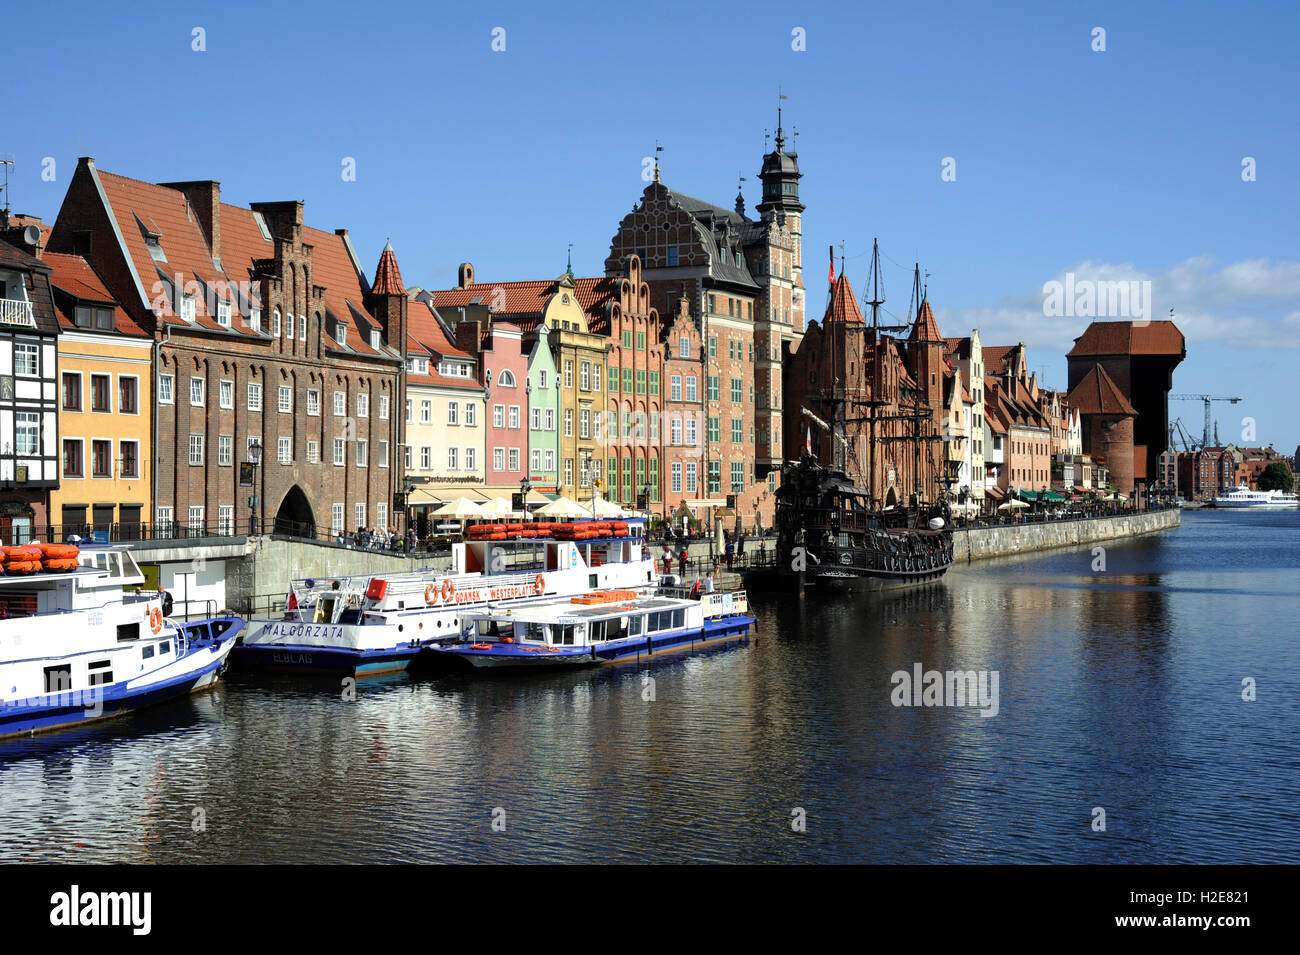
(979, 542)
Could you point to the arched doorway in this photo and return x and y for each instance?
(891, 498)
(295, 517)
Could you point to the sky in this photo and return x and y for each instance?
(999, 144)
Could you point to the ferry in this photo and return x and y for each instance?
(367, 625)
(597, 628)
(1242, 496)
(77, 645)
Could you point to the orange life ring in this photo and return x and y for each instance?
(482, 646)
(431, 594)
(448, 590)
(541, 584)
(155, 620)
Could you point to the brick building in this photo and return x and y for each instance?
(272, 349)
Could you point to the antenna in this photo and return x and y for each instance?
(7, 160)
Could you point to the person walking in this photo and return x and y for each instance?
(731, 553)
(681, 561)
(709, 583)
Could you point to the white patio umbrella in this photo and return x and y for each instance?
(1012, 505)
(498, 506)
(563, 507)
(461, 509)
(603, 508)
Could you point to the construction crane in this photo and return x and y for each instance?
(1178, 429)
(1205, 439)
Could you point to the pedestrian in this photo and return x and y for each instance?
(762, 551)
(731, 553)
(709, 583)
(681, 561)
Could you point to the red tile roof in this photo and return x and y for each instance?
(843, 307)
(926, 329)
(1098, 394)
(995, 357)
(1129, 338)
(75, 276)
(388, 278)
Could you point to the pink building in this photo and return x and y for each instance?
(503, 365)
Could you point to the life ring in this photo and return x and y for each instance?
(155, 620)
(448, 590)
(541, 584)
(482, 646)
(431, 594)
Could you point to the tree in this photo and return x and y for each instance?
(1276, 477)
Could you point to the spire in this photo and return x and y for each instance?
(780, 134)
(843, 307)
(926, 328)
(740, 196)
(388, 278)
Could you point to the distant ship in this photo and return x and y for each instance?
(1243, 497)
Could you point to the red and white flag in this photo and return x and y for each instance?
(808, 442)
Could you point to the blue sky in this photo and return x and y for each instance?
(1122, 164)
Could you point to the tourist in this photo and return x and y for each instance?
(709, 583)
(681, 561)
(731, 553)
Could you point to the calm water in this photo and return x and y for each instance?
(1119, 689)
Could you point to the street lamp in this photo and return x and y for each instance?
(255, 459)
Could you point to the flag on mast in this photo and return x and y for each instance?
(832, 272)
(808, 440)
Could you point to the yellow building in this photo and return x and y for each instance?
(580, 362)
(105, 410)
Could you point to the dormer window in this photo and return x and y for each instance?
(255, 319)
(223, 314)
(374, 338)
(341, 333)
(153, 242)
(187, 308)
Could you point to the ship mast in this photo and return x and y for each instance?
(877, 299)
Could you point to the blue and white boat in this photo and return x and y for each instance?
(367, 625)
(597, 628)
(1242, 496)
(76, 646)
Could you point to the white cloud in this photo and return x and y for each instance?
(1248, 304)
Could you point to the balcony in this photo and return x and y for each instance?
(15, 311)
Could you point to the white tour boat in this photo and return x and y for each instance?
(596, 628)
(365, 625)
(1243, 497)
(76, 646)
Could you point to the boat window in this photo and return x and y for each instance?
(636, 625)
(58, 678)
(100, 673)
(128, 631)
(598, 631)
(679, 619)
(566, 634)
(592, 582)
(617, 629)
(146, 651)
(164, 647)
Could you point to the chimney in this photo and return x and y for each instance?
(204, 196)
(466, 277)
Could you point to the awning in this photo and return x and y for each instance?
(994, 491)
(1053, 496)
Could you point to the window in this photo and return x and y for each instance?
(684, 347)
(568, 373)
(692, 433)
(737, 477)
(302, 329)
(506, 380)
(568, 422)
(72, 458)
(426, 458)
(534, 461)
(499, 459)
(255, 320)
(225, 450)
(410, 414)
(313, 403)
(549, 457)
(514, 417)
(275, 323)
(381, 510)
(640, 341)
(627, 339)
(654, 383)
(187, 308)
(196, 450)
(339, 452)
(627, 380)
(471, 415)
(165, 389)
(584, 423)
(675, 388)
(406, 457)
(284, 450)
(336, 518)
(383, 407)
(71, 391)
(426, 411)
(99, 394)
(471, 459)
(737, 390)
(541, 378)
(568, 471)
(223, 314)
(254, 397)
(676, 480)
(340, 404)
(286, 399)
(692, 393)
(676, 430)
(713, 342)
(288, 326)
(713, 429)
(359, 514)
(550, 419)
(313, 452)
(535, 419)
(613, 378)
(737, 430)
(226, 394)
(363, 449)
(453, 412)
(499, 416)
(453, 459)
(691, 476)
(163, 518)
(130, 454)
(363, 406)
(196, 518)
(225, 520)
(382, 456)
(640, 381)
(27, 433)
(713, 387)
(584, 376)
(595, 377)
